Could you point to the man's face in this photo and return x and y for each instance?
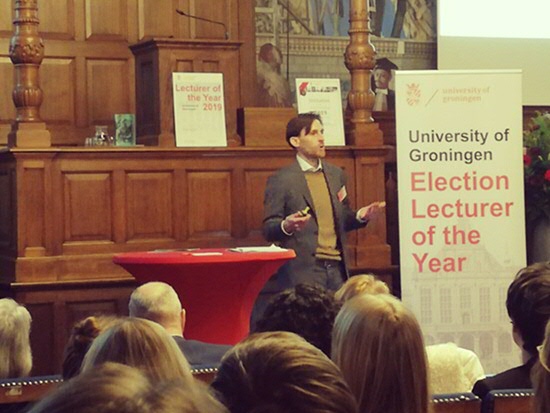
(381, 78)
(311, 146)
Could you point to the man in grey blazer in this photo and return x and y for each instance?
(306, 208)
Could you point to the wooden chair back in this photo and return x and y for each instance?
(204, 374)
(17, 394)
(456, 403)
(508, 401)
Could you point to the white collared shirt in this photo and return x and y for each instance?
(306, 167)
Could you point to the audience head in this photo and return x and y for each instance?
(176, 397)
(280, 372)
(540, 376)
(361, 284)
(142, 344)
(15, 347)
(307, 310)
(83, 334)
(158, 302)
(377, 343)
(528, 305)
(109, 388)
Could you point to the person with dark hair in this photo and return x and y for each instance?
(280, 372)
(307, 310)
(83, 334)
(540, 375)
(528, 305)
(307, 209)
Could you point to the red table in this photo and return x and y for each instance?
(217, 287)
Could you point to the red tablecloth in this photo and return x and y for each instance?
(217, 287)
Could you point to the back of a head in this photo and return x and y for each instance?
(139, 343)
(378, 345)
(528, 304)
(155, 301)
(176, 397)
(306, 310)
(540, 376)
(110, 388)
(15, 347)
(280, 372)
(361, 284)
(83, 334)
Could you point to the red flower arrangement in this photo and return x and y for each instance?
(536, 162)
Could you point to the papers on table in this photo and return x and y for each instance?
(271, 248)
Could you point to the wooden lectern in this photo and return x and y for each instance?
(157, 59)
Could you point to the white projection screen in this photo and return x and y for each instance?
(498, 34)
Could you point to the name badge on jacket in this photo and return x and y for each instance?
(342, 194)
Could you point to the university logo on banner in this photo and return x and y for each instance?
(461, 210)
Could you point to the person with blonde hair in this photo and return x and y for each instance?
(361, 284)
(540, 376)
(451, 369)
(83, 334)
(142, 344)
(109, 388)
(15, 346)
(378, 345)
(280, 372)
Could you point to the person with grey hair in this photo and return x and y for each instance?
(15, 346)
(159, 302)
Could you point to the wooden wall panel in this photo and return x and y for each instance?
(107, 19)
(94, 36)
(7, 108)
(255, 182)
(209, 204)
(57, 19)
(33, 218)
(187, 65)
(87, 209)
(217, 11)
(7, 210)
(109, 90)
(43, 331)
(6, 17)
(55, 308)
(150, 206)
(158, 18)
(59, 102)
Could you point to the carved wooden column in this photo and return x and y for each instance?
(359, 59)
(26, 53)
(371, 249)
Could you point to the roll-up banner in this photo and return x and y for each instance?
(461, 210)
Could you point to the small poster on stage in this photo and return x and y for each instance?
(199, 110)
(323, 96)
(125, 129)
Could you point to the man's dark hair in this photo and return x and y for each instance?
(528, 304)
(307, 310)
(301, 122)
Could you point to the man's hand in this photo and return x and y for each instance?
(370, 211)
(296, 222)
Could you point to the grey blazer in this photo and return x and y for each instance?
(287, 192)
